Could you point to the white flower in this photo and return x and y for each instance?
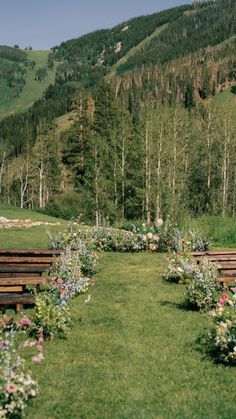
(88, 299)
(159, 223)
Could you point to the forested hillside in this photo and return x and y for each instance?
(140, 122)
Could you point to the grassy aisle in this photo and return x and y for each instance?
(132, 353)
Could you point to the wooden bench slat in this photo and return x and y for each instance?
(17, 288)
(226, 279)
(23, 281)
(12, 299)
(30, 252)
(32, 260)
(19, 274)
(218, 259)
(214, 253)
(23, 268)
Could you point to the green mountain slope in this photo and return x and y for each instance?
(20, 85)
(140, 121)
(133, 51)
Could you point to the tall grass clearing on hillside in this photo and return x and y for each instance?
(221, 231)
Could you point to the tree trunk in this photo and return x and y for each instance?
(123, 176)
(41, 176)
(2, 169)
(147, 174)
(158, 196)
(96, 186)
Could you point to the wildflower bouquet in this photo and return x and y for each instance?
(16, 385)
(181, 269)
(50, 318)
(198, 243)
(222, 337)
(203, 289)
(66, 279)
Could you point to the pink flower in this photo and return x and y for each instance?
(3, 344)
(11, 388)
(39, 348)
(38, 358)
(60, 281)
(223, 299)
(153, 246)
(24, 323)
(40, 340)
(29, 344)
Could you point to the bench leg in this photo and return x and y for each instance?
(19, 308)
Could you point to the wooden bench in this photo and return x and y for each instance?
(225, 260)
(20, 268)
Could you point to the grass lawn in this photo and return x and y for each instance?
(132, 353)
(30, 238)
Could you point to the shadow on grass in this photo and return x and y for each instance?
(203, 346)
(183, 306)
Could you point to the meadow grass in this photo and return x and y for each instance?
(132, 352)
(220, 230)
(33, 89)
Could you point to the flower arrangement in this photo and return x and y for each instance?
(198, 243)
(77, 243)
(162, 238)
(50, 318)
(66, 279)
(204, 287)
(16, 385)
(221, 340)
(181, 269)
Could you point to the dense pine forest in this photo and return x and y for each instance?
(140, 122)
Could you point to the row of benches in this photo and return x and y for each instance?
(21, 268)
(18, 270)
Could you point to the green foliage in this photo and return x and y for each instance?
(200, 29)
(94, 53)
(13, 54)
(49, 318)
(64, 206)
(41, 74)
(220, 230)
